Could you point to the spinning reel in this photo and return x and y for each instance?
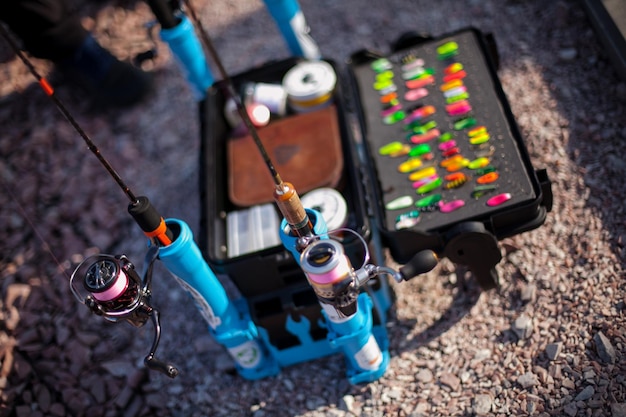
(113, 289)
(334, 280)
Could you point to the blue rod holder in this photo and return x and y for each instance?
(292, 25)
(367, 356)
(228, 323)
(189, 54)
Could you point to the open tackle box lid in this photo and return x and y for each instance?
(493, 191)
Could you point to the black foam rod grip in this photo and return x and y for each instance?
(147, 217)
(164, 13)
(420, 263)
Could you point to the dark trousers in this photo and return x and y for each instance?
(49, 29)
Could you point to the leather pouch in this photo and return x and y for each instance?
(304, 148)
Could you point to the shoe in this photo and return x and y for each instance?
(109, 81)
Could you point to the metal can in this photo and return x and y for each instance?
(310, 86)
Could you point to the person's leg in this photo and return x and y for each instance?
(49, 30)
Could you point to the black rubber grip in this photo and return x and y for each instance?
(162, 10)
(421, 263)
(146, 216)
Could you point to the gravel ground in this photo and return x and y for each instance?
(550, 342)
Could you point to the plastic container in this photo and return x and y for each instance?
(252, 230)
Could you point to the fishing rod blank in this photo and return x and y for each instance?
(140, 208)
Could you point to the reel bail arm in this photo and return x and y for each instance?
(113, 289)
(150, 361)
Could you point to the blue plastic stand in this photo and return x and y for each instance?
(293, 27)
(355, 336)
(188, 51)
(229, 322)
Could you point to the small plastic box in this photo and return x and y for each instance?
(252, 229)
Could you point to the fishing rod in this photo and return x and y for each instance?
(103, 277)
(114, 290)
(179, 32)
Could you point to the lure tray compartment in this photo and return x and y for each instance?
(468, 235)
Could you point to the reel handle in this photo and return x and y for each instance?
(150, 361)
(157, 365)
(420, 263)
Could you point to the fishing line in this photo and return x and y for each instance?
(46, 246)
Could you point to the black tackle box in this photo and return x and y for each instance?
(438, 99)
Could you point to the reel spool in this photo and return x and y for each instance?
(111, 288)
(330, 273)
